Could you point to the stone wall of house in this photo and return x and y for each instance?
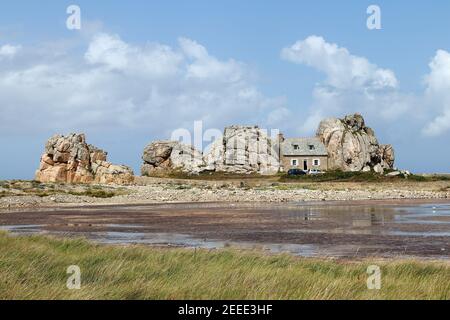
(287, 164)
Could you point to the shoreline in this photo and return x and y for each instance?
(28, 194)
(227, 204)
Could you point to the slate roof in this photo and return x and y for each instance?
(304, 149)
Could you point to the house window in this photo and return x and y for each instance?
(296, 147)
(294, 162)
(316, 162)
(311, 147)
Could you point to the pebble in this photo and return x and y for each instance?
(159, 192)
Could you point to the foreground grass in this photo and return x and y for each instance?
(35, 268)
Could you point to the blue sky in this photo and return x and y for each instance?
(220, 50)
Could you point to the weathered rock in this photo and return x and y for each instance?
(165, 156)
(378, 168)
(243, 150)
(352, 146)
(387, 156)
(405, 172)
(158, 152)
(393, 174)
(69, 159)
(107, 173)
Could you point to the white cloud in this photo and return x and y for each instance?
(113, 84)
(438, 94)
(438, 80)
(113, 53)
(155, 88)
(343, 70)
(8, 51)
(205, 66)
(110, 51)
(439, 125)
(277, 117)
(352, 84)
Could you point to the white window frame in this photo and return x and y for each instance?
(296, 162)
(318, 162)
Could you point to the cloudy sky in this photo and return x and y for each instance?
(138, 70)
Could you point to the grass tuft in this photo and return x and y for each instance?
(370, 176)
(94, 193)
(35, 268)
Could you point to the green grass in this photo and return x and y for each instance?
(35, 268)
(6, 194)
(292, 186)
(329, 176)
(94, 193)
(370, 176)
(34, 188)
(211, 176)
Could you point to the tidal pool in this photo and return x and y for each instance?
(324, 229)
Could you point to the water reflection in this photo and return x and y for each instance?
(300, 229)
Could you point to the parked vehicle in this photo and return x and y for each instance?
(296, 172)
(315, 171)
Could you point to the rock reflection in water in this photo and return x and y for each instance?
(314, 229)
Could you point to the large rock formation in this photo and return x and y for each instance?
(243, 150)
(165, 156)
(353, 147)
(70, 159)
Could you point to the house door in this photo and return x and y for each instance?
(305, 165)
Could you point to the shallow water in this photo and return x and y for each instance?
(318, 229)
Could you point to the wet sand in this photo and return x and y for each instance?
(352, 229)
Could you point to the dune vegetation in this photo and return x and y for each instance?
(36, 268)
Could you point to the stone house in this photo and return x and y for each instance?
(303, 153)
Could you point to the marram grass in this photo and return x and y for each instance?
(35, 268)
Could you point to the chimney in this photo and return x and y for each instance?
(280, 142)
